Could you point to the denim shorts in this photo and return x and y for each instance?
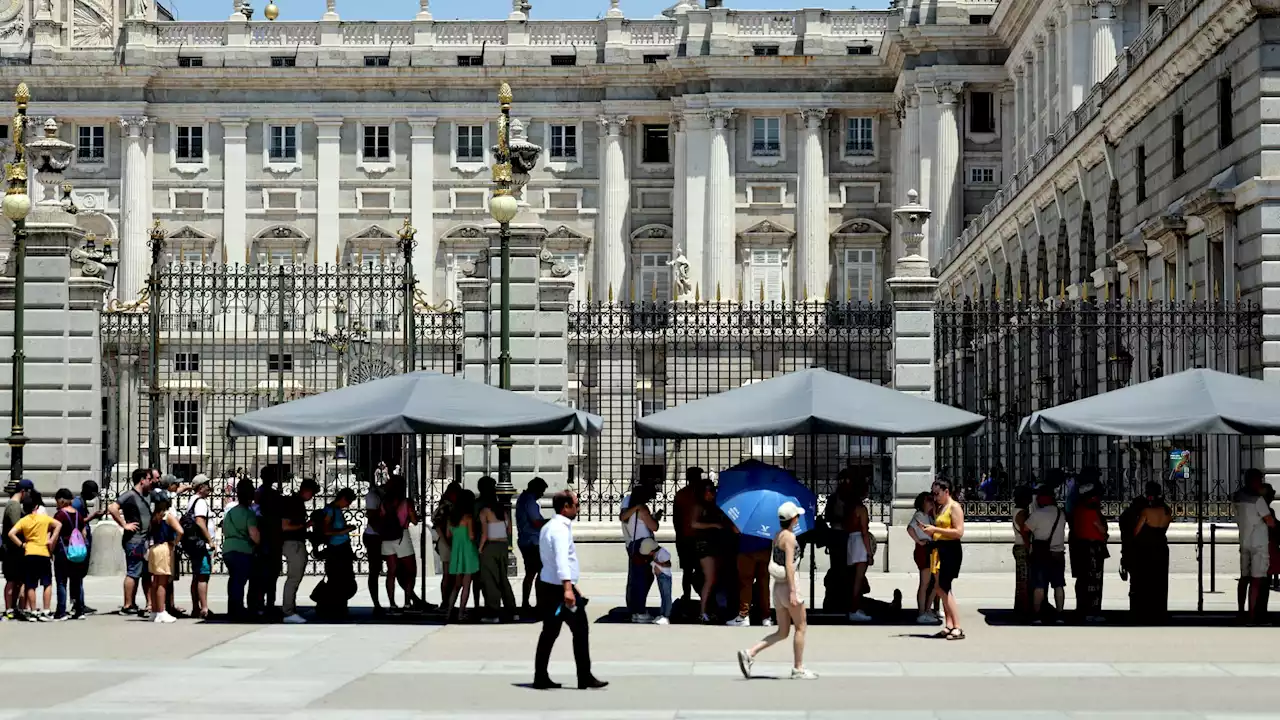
(135, 557)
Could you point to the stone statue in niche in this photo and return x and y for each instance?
(680, 272)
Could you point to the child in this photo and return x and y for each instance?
(660, 561)
(922, 517)
(165, 531)
(68, 571)
(39, 533)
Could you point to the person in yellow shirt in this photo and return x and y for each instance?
(37, 532)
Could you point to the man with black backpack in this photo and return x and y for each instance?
(197, 544)
(294, 521)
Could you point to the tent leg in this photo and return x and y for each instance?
(813, 554)
(1200, 540)
(423, 513)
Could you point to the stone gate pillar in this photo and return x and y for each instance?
(539, 348)
(65, 286)
(913, 291)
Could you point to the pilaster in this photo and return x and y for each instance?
(235, 170)
(422, 200)
(697, 159)
(719, 274)
(1080, 53)
(812, 231)
(680, 186)
(611, 245)
(946, 186)
(1105, 42)
(135, 211)
(328, 173)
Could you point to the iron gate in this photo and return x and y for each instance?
(225, 340)
(1006, 359)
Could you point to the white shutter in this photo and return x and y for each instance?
(766, 275)
(861, 274)
(655, 277)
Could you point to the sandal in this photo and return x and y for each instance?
(943, 634)
(955, 634)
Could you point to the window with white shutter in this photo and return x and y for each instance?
(770, 445)
(766, 276)
(651, 447)
(861, 274)
(655, 277)
(570, 260)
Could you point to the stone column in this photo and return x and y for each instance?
(422, 203)
(135, 212)
(928, 166)
(235, 168)
(1017, 141)
(946, 185)
(611, 245)
(1052, 80)
(813, 265)
(328, 172)
(913, 290)
(694, 181)
(1029, 122)
(1105, 44)
(1080, 57)
(719, 211)
(1008, 120)
(680, 186)
(1042, 91)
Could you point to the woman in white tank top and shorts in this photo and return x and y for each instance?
(787, 601)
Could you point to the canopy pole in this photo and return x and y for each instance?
(1199, 531)
(813, 555)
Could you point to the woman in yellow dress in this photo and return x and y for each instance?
(947, 529)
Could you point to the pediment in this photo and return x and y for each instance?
(281, 232)
(465, 232)
(187, 232)
(374, 232)
(861, 226)
(564, 232)
(768, 227)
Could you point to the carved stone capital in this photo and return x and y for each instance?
(613, 124)
(813, 117)
(134, 125)
(719, 117)
(948, 92)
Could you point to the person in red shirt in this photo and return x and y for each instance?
(1088, 551)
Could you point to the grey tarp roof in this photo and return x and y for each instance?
(810, 401)
(1192, 402)
(423, 403)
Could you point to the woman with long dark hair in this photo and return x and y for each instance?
(786, 597)
(708, 525)
(1149, 591)
(1021, 552)
(240, 538)
(947, 530)
(464, 560)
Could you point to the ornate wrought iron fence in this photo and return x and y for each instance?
(631, 360)
(229, 339)
(1006, 359)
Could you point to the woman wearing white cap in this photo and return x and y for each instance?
(786, 597)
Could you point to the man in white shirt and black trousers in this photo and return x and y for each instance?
(558, 598)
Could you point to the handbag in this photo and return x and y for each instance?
(776, 571)
(1040, 549)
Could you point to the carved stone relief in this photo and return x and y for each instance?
(93, 23)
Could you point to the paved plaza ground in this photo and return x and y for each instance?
(109, 667)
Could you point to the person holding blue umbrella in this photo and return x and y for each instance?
(786, 596)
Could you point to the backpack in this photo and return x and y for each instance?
(77, 550)
(315, 532)
(192, 542)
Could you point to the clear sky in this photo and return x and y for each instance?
(477, 9)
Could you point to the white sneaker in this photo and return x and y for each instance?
(803, 674)
(294, 619)
(739, 622)
(926, 619)
(164, 617)
(744, 663)
(660, 620)
(858, 617)
(767, 622)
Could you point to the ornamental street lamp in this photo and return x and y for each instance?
(155, 241)
(16, 207)
(511, 169)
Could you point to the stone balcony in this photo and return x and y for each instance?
(424, 42)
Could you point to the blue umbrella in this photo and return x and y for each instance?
(750, 494)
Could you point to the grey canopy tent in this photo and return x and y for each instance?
(1191, 402)
(809, 402)
(418, 403)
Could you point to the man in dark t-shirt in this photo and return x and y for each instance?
(293, 523)
(267, 560)
(132, 512)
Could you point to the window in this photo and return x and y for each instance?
(4, 132)
(1225, 132)
(758, 194)
(190, 143)
(1179, 145)
(982, 176)
(766, 137)
(279, 363)
(979, 19)
(374, 199)
(859, 49)
(280, 199)
(654, 59)
(188, 199)
(765, 276)
(563, 60)
(861, 274)
(564, 142)
(652, 447)
(192, 257)
(186, 362)
(283, 61)
(190, 62)
(1140, 169)
(377, 60)
(655, 144)
(471, 143)
(283, 143)
(770, 445)
(470, 60)
(764, 50)
(655, 277)
(377, 142)
(92, 145)
(186, 424)
(982, 113)
(860, 136)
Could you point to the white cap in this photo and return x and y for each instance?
(789, 510)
